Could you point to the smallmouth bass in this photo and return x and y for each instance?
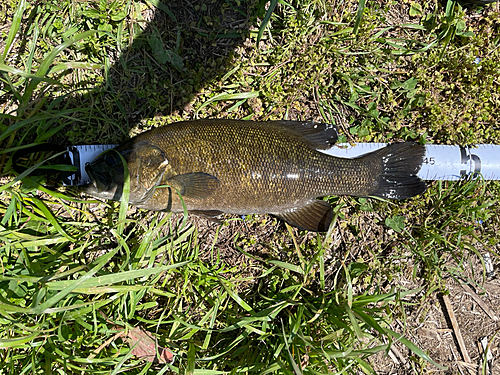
(251, 167)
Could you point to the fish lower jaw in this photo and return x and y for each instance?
(92, 191)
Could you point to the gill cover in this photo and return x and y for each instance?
(147, 165)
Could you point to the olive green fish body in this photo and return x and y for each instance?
(244, 167)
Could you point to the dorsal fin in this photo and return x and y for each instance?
(320, 135)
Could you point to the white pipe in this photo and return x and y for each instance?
(441, 162)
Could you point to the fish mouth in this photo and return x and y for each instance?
(101, 181)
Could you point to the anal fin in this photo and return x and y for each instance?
(206, 213)
(211, 215)
(314, 216)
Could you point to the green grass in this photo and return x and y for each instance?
(252, 296)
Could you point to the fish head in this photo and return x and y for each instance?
(146, 164)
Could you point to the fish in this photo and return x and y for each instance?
(216, 166)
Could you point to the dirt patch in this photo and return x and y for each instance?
(429, 325)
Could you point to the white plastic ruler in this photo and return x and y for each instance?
(80, 155)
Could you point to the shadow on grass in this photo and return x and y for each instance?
(185, 46)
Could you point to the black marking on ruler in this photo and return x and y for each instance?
(75, 178)
(465, 159)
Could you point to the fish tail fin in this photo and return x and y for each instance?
(399, 163)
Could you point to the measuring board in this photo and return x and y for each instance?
(80, 155)
(441, 162)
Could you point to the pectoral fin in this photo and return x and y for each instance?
(315, 216)
(196, 185)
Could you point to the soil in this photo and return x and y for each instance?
(429, 326)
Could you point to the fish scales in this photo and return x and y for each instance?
(245, 167)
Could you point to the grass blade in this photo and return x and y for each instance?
(48, 60)
(125, 195)
(288, 266)
(52, 219)
(359, 16)
(34, 77)
(18, 342)
(14, 28)
(113, 278)
(415, 349)
(266, 19)
(44, 307)
(228, 96)
(296, 369)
